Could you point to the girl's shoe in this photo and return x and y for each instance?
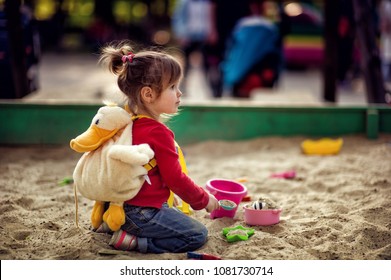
(123, 241)
(103, 228)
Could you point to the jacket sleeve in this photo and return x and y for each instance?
(170, 169)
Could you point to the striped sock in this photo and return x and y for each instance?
(122, 240)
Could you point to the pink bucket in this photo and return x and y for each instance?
(226, 189)
(263, 217)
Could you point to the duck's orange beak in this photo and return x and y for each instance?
(91, 139)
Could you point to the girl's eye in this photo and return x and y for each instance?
(173, 86)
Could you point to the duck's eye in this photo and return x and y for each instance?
(97, 122)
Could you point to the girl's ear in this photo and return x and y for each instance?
(147, 94)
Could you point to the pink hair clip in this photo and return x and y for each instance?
(128, 57)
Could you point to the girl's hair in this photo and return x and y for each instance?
(135, 70)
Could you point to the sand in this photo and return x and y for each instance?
(337, 207)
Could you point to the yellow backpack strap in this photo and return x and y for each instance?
(182, 161)
(152, 163)
(185, 208)
(137, 117)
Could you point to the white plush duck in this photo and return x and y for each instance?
(111, 168)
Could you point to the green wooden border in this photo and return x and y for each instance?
(53, 123)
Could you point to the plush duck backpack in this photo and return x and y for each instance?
(108, 153)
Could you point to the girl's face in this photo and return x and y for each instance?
(169, 100)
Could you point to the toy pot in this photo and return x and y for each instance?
(226, 189)
(263, 217)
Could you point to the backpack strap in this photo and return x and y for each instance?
(152, 163)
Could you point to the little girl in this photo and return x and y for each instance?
(150, 81)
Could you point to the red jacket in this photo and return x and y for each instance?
(167, 175)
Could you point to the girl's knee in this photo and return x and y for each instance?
(198, 239)
(203, 235)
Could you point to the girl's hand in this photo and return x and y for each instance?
(213, 204)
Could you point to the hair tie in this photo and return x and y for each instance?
(128, 57)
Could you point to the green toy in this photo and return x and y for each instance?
(238, 233)
(66, 181)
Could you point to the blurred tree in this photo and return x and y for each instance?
(330, 63)
(368, 49)
(371, 63)
(16, 52)
(104, 11)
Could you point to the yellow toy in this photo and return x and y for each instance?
(324, 146)
(108, 155)
(185, 208)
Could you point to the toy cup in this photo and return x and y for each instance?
(263, 217)
(226, 189)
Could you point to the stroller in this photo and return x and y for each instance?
(254, 56)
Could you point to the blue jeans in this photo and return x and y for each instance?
(164, 230)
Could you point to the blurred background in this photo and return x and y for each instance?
(49, 48)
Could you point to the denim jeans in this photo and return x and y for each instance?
(164, 230)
